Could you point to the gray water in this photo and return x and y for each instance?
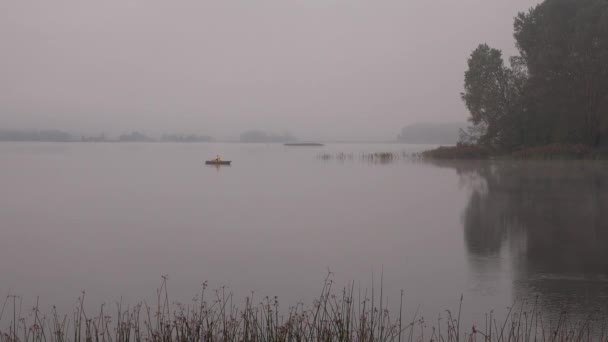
(112, 219)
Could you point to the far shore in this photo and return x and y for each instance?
(320, 143)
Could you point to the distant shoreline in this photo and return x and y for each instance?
(323, 143)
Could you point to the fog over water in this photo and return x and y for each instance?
(317, 69)
(113, 218)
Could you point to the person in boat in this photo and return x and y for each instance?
(217, 158)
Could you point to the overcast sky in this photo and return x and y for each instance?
(316, 68)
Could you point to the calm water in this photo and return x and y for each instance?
(111, 219)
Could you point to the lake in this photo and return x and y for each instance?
(111, 219)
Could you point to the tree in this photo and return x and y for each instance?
(555, 91)
(492, 95)
(564, 46)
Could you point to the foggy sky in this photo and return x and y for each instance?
(323, 69)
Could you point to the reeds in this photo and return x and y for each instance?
(336, 315)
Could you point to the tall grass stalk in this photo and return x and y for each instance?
(333, 316)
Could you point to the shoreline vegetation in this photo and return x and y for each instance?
(545, 152)
(337, 314)
(550, 100)
(472, 152)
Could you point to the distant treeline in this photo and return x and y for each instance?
(186, 138)
(61, 136)
(44, 135)
(251, 136)
(135, 137)
(141, 137)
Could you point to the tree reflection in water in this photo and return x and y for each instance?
(550, 219)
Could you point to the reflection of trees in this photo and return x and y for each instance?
(551, 217)
(558, 212)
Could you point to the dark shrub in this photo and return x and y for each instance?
(460, 151)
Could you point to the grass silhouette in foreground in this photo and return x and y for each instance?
(334, 316)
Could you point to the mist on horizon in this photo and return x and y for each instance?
(314, 69)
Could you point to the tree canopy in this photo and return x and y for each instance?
(554, 91)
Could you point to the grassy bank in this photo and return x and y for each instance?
(336, 315)
(457, 152)
(544, 152)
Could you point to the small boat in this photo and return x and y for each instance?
(215, 162)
